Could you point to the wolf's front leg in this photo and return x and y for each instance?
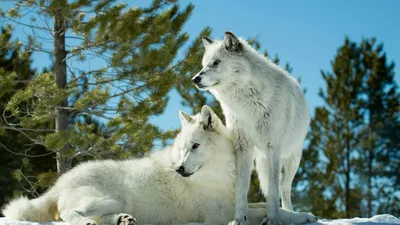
(256, 215)
(244, 164)
(272, 166)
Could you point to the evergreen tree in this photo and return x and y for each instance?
(333, 137)
(19, 158)
(341, 173)
(131, 53)
(379, 150)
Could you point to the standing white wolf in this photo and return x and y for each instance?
(266, 112)
(192, 181)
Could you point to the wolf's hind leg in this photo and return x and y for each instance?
(288, 171)
(88, 210)
(119, 219)
(73, 217)
(107, 211)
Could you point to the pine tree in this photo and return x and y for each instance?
(18, 157)
(333, 138)
(378, 156)
(132, 56)
(341, 174)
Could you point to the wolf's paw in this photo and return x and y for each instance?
(125, 219)
(270, 221)
(239, 222)
(307, 218)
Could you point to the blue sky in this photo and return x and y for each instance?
(304, 33)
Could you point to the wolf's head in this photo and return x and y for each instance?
(202, 142)
(223, 62)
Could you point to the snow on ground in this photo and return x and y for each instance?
(385, 219)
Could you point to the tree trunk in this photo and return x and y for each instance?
(60, 74)
(347, 174)
(370, 161)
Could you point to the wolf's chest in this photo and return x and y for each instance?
(243, 103)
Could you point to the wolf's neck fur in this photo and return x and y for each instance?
(262, 66)
(258, 87)
(210, 177)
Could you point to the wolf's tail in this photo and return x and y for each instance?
(42, 209)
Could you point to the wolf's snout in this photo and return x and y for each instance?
(196, 79)
(180, 170)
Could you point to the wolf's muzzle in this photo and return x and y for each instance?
(196, 80)
(181, 171)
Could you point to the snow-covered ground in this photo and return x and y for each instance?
(376, 220)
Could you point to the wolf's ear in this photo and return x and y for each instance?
(185, 118)
(207, 41)
(209, 118)
(232, 43)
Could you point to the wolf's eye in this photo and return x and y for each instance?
(195, 145)
(216, 62)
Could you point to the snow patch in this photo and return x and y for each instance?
(384, 219)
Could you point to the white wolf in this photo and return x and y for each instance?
(192, 181)
(266, 112)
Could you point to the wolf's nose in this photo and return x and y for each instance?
(196, 79)
(180, 170)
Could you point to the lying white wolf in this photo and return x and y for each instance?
(192, 181)
(266, 112)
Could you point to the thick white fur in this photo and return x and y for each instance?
(266, 112)
(149, 188)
